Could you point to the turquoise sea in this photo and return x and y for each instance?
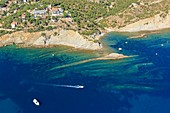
(139, 84)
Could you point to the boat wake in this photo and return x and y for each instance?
(67, 86)
(71, 86)
(57, 85)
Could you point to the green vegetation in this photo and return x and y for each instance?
(3, 32)
(43, 34)
(3, 3)
(120, 5)
(88, 17)
(85, 13)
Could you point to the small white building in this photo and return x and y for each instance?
(15, 2)
(25, 1)
(57, 11)
(13, 24)
(39, 13)
(61, 11)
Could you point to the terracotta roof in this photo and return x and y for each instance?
(54, 9)
(14, 23)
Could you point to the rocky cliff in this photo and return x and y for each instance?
(159, 21)
(50, 38)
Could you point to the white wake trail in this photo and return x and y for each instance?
(57, 85)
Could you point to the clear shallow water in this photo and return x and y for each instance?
(135, 85)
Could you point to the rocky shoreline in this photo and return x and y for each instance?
(74, 39)
(157, 22)
(140, 29)
(50, 38)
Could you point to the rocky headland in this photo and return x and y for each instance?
(50, 38)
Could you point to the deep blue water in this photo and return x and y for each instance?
(139, 84)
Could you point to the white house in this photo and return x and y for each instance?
(15, 2)
(13, 24)
(57, 11)
(39, 13)
(25, 1)
(60, 11)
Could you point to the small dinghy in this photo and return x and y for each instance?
(36, 102)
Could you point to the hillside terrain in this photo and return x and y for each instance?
(141, 10)
(90, 18)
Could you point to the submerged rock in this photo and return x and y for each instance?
(113, 56)
(8, 106)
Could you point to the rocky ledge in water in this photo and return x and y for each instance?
(50, 38)
(113, 56)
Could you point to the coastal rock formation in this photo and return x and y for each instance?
(113, 56)
(159, 21)
(68, 38)
(50, 38)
